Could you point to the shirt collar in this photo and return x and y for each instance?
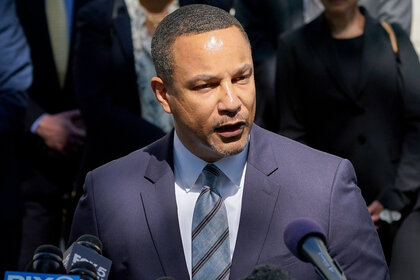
(188, 166)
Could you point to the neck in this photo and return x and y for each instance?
(346, 25)
(153, 19)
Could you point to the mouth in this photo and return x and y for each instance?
(232, 130)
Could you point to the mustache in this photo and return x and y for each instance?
(226, 120)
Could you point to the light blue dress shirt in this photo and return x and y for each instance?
(188, 183)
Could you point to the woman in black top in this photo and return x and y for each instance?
(341, 88)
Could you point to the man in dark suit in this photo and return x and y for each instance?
(51, 148)
(148, 207)
(344, 91)
(106, 85)
(15, 79)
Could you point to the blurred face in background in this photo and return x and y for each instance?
(339, 6)
(155, 6)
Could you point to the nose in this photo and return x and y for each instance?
(229, 102)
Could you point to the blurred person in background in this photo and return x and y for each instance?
(343, 89)
(113, 69)
(15, 79)
(265, 20)
(51, 148)
(222, 4)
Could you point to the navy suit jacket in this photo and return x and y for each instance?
(46, 96)
(106, 85)
(130, 205)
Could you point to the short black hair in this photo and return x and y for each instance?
(187, 20)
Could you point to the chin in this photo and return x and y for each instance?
(229, 149)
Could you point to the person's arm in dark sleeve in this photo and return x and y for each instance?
(407, 182)
(15, 68)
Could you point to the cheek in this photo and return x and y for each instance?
(193, 115)
(248, 99)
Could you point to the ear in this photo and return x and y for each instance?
(161, 92)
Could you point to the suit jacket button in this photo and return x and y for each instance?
(361, 139)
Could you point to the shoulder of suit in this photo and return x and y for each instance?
(126, 166)
(136, 162)
(282, 145)
(300, 166)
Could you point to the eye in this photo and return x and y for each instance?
(205, 86)
(201, 86)
(240, 78)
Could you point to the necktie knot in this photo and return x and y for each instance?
(211, 173)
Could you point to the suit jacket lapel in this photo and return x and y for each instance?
(161, 210)
(258, 203)
(122, 29)
(369, 52)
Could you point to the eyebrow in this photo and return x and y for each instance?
(205, 77)
(244, 69)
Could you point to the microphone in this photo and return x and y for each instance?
(88, 248)
(91, 241)
(47, 259)
(46, 264)
(85, 270)
(267, 272)
(306, 240)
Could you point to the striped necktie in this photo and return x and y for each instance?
(59, 38)
(210, 232)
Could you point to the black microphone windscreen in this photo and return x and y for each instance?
(88, 248)
(49, 249)
(47, 259)
(90, 241)
(296, 232)
(85, 270)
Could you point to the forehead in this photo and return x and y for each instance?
(221, 47)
